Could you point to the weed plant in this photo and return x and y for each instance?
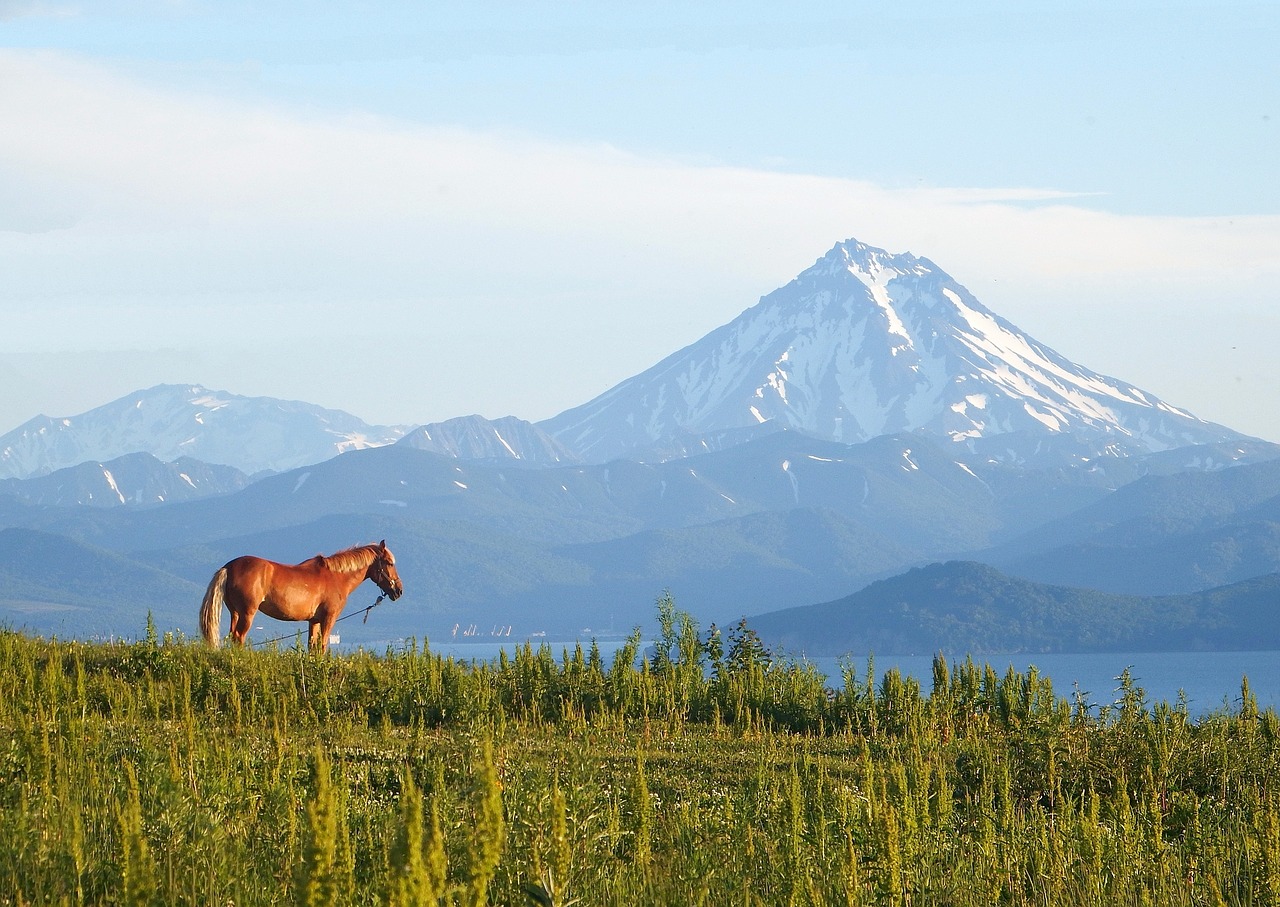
(162, 772)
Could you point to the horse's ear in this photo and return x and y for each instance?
(383, 544)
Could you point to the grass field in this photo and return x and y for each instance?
(162, 772)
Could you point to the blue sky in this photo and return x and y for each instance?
(417, 211)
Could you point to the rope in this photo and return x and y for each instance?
(294, 634)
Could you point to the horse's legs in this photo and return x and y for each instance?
(239, 627)
(321, 626)
(241, 621)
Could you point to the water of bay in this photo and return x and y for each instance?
(1210, 680)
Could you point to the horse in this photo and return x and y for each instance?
(315, 590)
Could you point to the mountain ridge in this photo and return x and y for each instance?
(967, 607)
(507, 439)
(170, 421)
(137, 479)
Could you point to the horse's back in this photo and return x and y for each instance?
(246, 563)
(248, 574)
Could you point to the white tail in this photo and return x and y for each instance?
(211, 609)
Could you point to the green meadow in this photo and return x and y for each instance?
(162, 772)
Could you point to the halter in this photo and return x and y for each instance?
(377, 572)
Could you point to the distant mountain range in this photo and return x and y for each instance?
(962, 607)
(132, 479)
(1160, 534)
(867, 419)
(508, 439)
(173, 421)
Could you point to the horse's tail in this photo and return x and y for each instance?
(211, 609)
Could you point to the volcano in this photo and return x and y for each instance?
(867, 343)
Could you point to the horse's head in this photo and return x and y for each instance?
(383, 572)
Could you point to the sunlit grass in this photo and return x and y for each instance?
(165, 773)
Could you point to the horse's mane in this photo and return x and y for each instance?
(349, 560)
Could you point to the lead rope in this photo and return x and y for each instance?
(366, 610)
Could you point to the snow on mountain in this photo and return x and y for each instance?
(866, 343)
(252, 434)
(133, 479)
(478, 438)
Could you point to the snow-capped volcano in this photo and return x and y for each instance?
(253, 434)
(866, 343)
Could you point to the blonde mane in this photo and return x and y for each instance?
(351, 560)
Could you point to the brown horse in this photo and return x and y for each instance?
(315, 591)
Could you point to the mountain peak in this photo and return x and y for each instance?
(862, 260)
(864, 343)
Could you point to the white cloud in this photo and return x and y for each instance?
(100, 165)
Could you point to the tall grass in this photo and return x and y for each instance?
(165, 773)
